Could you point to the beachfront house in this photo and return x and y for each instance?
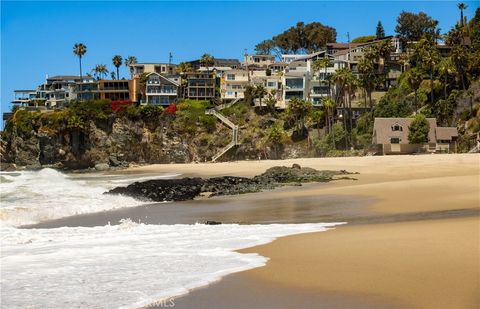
(233, 83)
(160, 90)
(390, 135)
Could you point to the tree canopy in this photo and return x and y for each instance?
(418, 130)
(300, 38)
(412, 27)
(380, 32)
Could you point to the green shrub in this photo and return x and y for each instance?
(149, 112)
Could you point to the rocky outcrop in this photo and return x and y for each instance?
(189, 188)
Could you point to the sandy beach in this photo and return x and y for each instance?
(423, 251)
(412, 238)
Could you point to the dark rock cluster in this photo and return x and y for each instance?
(189, 188)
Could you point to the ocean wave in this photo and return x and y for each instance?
(29, 197)
(127, 265)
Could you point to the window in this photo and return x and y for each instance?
(271, 84)
(163, 69)
(230, 76)
(229, 93)
(394, 140)
(397, 127)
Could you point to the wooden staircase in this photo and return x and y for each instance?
(228, 123)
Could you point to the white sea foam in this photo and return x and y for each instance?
(127, 265)
(30, 197)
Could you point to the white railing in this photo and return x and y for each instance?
(230, 124)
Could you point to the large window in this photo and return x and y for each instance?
(294, 83)
(395, 140)
(230, 76)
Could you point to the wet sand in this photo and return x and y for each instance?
(424, 252)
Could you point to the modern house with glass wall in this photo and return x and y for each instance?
(160, 90)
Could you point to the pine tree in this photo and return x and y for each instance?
(380, 32)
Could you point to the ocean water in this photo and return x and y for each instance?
(127, 265)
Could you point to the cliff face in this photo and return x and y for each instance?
(91, 134)
(120, 140)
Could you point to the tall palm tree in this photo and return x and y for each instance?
(322, 63)
(80, 49)
(117, 61)
(100, 71)
(368, 79)
(207, 60)
(328, 105)
(415, 78)
(461, 6)
(341, 77)
(446, 68)
(129, 62)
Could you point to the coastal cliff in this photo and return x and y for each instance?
(84, 137)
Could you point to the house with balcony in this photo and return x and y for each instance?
(24, 98)
(117, 90)
(160, 90)
(198, 85)
(233, 83)
(294, 84)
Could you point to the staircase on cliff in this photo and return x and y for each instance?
(227, 122)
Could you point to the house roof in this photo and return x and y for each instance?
(165, 78)
(67, 77)
(446, 133)
(382, 130)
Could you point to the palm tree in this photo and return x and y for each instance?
(368, 79)
(461, 6)
(80, 49)
(129, 62)
(100, 71)
(112, 75)
(446, 68)
(415, 78)
(207, 60)
(184, 67)
(328, 104)
(341, 77)
(322, 63)
(117, 62)
(260, 92)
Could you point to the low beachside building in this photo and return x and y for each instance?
(391, 137)
(160, 90)
(233, 83)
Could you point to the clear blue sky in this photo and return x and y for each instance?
(37, 37)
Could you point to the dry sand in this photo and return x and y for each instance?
(421, 263)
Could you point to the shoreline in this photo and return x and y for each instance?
(413, 226)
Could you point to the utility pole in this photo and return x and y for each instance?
(348, 40)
